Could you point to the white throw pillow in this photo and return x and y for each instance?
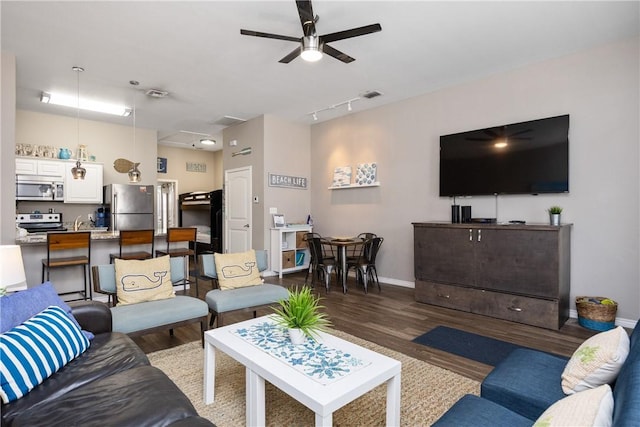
(237, 270)
(597, 361)
(143, 280)
(588, 408)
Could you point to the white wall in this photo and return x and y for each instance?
(189, 181)
(7, 147)
(599, 88)
(106, 141)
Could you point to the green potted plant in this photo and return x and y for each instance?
(301, 315)
(554, 215)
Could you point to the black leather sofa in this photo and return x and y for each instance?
(110, 384)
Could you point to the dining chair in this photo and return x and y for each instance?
(369, 237)
(182, 235)
(76, 250)
(376, 242)
(322, 259)
(328, 255)
(365, 264)
(130, 238)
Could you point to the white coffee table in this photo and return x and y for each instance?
(321, 399)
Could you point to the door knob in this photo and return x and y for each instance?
(246, 226)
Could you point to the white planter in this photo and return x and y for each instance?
(297, 336)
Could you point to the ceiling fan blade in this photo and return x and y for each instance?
(307, 19)
(290, 57)
(269, 35)
(337, 54)
(354, 32)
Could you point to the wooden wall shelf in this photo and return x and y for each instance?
(344, 187)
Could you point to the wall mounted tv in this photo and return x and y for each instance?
(521, 158)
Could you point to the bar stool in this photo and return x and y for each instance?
(67, 241)
(177, 235)
(134, 238)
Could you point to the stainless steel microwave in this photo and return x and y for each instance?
(41, 188)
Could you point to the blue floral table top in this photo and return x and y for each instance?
(314, 359)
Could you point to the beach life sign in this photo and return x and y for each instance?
(277, 180)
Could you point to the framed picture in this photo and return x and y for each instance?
(162, 165)
(278, 220)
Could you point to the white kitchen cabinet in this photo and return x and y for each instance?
(54, 168)
(289, 250)
(87, 190)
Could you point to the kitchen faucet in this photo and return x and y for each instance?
(77, 223)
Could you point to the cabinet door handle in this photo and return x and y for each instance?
(518, 309)
(444, 296)
(479, 235)
(471, 235)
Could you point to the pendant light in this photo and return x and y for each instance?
(134, 173)
(78, 171)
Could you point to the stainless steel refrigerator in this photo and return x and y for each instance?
(130, 206)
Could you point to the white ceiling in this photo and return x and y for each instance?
(194, 51)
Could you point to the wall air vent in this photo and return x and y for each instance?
(371, 94)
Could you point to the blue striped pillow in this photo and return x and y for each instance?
(32, 352)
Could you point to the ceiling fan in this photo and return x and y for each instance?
(311, 44)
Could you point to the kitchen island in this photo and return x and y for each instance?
(103, 243)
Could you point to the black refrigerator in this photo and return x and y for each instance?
(130, 206)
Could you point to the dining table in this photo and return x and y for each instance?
(341, 244)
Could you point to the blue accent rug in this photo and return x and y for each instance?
(476, 347)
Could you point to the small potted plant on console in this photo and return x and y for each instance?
(554, 215)
(301, 315)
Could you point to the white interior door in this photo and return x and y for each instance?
(238, 220)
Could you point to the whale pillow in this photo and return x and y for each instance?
(237, 270)
(143, 280)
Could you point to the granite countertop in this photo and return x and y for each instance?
(42, 237)
(38, 238)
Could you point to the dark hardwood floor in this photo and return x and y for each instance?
(392, 318)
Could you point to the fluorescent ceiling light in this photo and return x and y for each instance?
(84, 104)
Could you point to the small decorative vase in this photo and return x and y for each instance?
(64, 153)
(296, 336)
(554, 219)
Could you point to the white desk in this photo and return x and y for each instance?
(321, 399)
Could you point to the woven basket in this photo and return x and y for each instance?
(599, 317)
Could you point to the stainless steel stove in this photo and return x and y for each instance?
(40, 222)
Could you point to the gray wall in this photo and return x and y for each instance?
(599, 88)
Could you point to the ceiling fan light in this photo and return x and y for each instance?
(311, 49)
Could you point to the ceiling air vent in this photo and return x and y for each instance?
(156, 93)
(228, 121)
(371, 94)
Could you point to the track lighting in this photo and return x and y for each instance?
(348, 103)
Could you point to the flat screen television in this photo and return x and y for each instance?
(521, 158)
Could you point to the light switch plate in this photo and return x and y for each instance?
(273, 211)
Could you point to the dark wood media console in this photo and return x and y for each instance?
(513, 272)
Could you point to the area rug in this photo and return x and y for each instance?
(476, 347)
(427, 390)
